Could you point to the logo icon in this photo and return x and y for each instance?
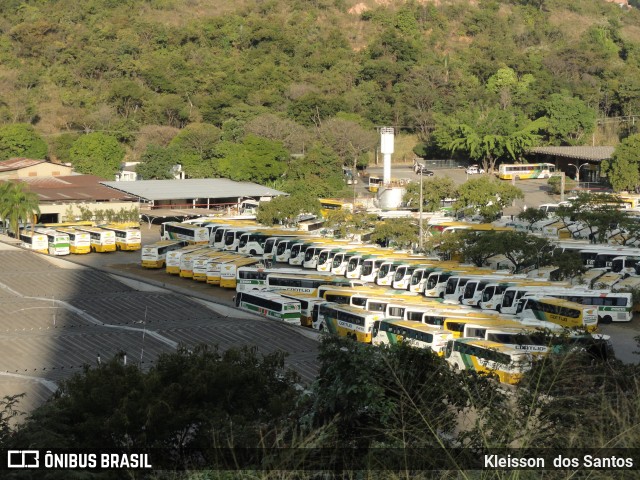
(23, 459)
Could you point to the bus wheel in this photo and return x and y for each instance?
(606, 320)
(252, 252)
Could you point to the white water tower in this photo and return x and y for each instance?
(386, 148)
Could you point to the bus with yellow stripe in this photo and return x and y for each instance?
(174, 257)
(393, 331)
(101, 240)
(155, 254)
(79, 242)
(127, 238)
(490, 358)
(346, 321)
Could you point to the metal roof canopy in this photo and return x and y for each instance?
(153, 190)
(594, 154)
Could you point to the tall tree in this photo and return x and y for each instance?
(570, 119)
(487, 196)
(21, 140)
(97, 154)
(623, 170)
(17, 205)
(434, 191)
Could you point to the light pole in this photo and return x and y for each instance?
(421, 234)
(577, 167)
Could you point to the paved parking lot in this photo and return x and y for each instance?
(55, 320)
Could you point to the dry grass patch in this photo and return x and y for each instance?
(572, 24)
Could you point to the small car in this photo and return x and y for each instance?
(474, 170)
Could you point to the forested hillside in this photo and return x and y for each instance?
(232, 88)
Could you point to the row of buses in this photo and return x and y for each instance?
(469, 339)
(80, 239)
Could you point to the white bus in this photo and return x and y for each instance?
(79, 242)
(485, 357)
(255, 278)
(187, 260)
(270, 305)
(200, 263)
(37, 242)
(325, 258)
(346, 321)
(611, 306)
(555, 310)
(155, 254)
(300, 283)
(58, 243)
(226, 268)
(298, 250)
(185, 232)
(308, 305)
(174, 257)
(101, 240)
(392, 332)
(524, 171)
(127, 239)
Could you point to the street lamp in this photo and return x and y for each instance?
(578, 167)
(421, 232)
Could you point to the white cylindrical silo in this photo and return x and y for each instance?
(386, 148)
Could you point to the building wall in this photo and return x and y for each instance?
(45, 169)
(64, 210)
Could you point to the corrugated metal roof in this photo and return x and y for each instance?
(17, 163)
(192, 188)
(72, 187)
(596, 154)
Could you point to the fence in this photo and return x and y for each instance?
(435, 164)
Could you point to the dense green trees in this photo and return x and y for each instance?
(97, 154)
(623, 170)
(486, 196)
(299, 74)
(21, 140)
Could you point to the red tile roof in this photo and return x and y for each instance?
(17, 163)
(73, 188)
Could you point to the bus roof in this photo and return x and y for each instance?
(425, 327)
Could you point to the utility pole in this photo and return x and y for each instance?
(421, 232)
(562, 181)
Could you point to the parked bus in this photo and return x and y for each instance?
(188, 259)
(346, 321)
(374, 184)
(485, 357)
(301, 283)
(540, 340)
(307, 305)
(255, 278)
(174, 257)
(127, 239)
(559, 311)
(155, 254)
(456, 325)
(611, 306)
(228, 271)
(101, 240)
(392, 331)
(328, 205)
(270, 305)
(79, 242)
(38, 242)
(298, 250)
(58, 243)
(508, 171)
(191, 234)
(370, 267)
(201, 263)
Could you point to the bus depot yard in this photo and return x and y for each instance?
(335, 271)
(77, 315)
